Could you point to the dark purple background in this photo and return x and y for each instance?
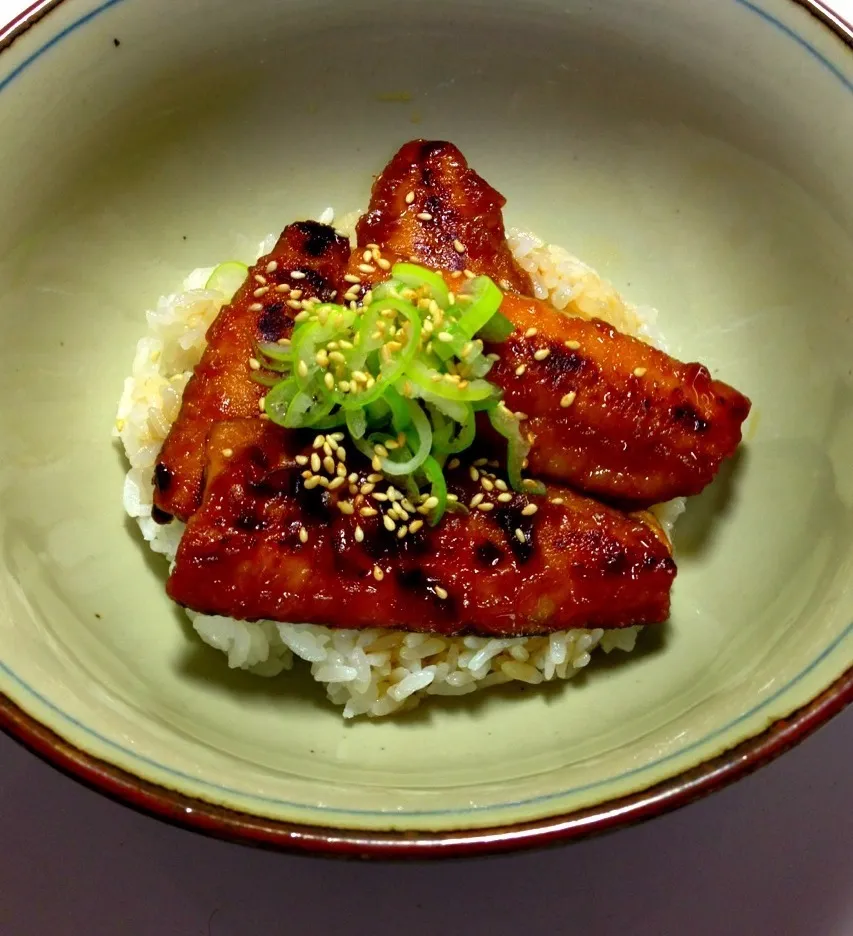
(771, 856)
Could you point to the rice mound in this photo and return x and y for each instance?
(368, 672)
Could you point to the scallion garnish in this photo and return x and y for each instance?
(404, 375)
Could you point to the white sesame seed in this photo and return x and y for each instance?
(315, 462)
(303, 535)
(366, 268)
(368, 511)
(260, 291)
(283, 287)
(500, 484)
(529, 510)
(440, 592)
(568, 399)
(352, 278)
(476, 499)
(318, 441)
(572, 345)
(297, 274)
(378, 574)
(487, 484)
(410, 197)
(227, 452)
(401, 532)
(469, 274)
(254, 363)
(541, 354)
(639, 371)
(383, 264)
(531, 332)
(431, 503)
(262, 404)
(272, 266)
(453, 463)
(329, 464)
(415, 525)
(486, 506)
(505, 497)
(359, 534)
(256, 307)
(519, 535)
(424, 216)
(335, 483)
(260, 279)
(458, 246)
(345, 507)
(473, 473)
(329, 380)
(557, 500)
(311, 482)
(445, 336)
(519, 371)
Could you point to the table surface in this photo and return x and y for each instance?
(771, 856)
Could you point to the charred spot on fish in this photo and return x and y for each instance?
(430, 148)
(257, 456)
(510, 519)
(316, 284)
(277, 483)
(562, 362)
(273, 322)
(432, 204)
(615, 561)
(160, 516)
(249, 522)
(319, 238)
(412, 579)
(314, 502)
(162, 477)
(688, 416)
(489, 555)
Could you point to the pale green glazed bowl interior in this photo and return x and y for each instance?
(698, 154)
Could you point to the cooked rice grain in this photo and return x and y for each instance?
(370, 672)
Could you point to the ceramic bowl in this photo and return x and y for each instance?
(697, 153)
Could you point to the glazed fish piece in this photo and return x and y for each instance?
(308, 261)
(610, 415)
(281, 539)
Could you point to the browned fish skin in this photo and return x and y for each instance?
(629, 439)
(427, 203)
(265, 546)
(611, 415)
(308, 258)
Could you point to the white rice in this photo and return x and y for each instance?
(373, 672)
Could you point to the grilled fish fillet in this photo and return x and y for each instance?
(270, 543)
(308, 261)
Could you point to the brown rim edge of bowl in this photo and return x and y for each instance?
(219, 822)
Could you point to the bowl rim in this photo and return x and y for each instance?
(244, 828)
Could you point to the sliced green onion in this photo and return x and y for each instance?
(227, 278)
(438, 488)
(518, 448)
(423, 431)
(498, 328)
(417, 277)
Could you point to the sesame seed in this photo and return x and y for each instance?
(401, 532)
(352, 278)
(519, 371)
(367, 489)
(341, 470)
(568, 399)
(341, 453)
(380, 496)
(415, 525)
(445, 336)
(272, 266)
(294, 304)
(315, 462)
(256, 307)
(410, 197)
(368, 511)
(311, 482)
(303, 535)
(440, 592)
(487, 484)
(227, 452)
(378, 574)
(335, 483)
(469, 274)
(505, 497)
(374, 478)
(254, 363)
(301, 459)
(296, 293)
(329, 464)
(297, 274)
(336, 436)
(424, 216)
(367, 256)
(283, 287)
(327, 448)
(346, 507)
(375, 463)
(639, 371)
(476, 499)
(519, 535)
(383, 264)
(572, 345)
(262, 404)
(541, 354)
(359, 534)
(500, 484)
(352, 477)
(453, 463)
(260, 291)
(557, 500)
(329, 380)
(260, 279)
(529, 510)
(431, 503)
(486, 507)
(318, 441)
(380, 450)
(366, 268)
(473, 473)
